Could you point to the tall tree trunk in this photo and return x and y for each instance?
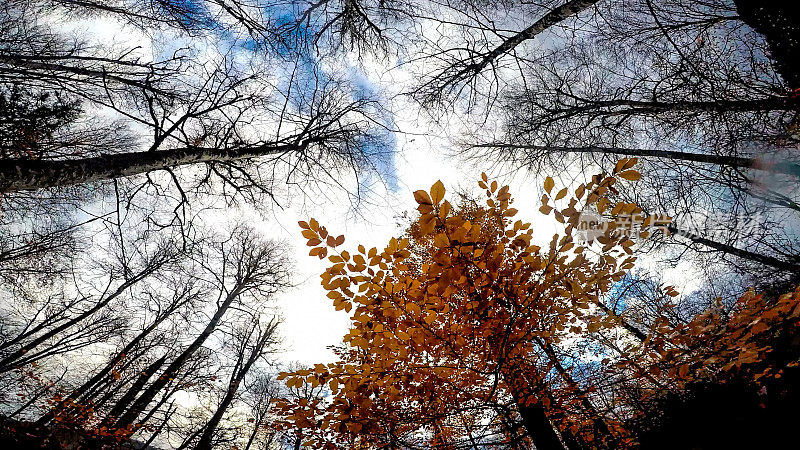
(625, 106)
(147, 396)
(205, 442)
(464, 70)
(240, 370)
(27, 174)
(738, 162)
(541, 431)
(79, 392)
(555, 16)
(141, 381)
(741, 253)
(298, 441)
(534, 416)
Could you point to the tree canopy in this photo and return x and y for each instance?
(464, 333)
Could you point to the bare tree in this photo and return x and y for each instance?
(247, 268)
(684, 86)
(253, 344)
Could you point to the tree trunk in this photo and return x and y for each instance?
(211, 427)
(559, 14)
(744, 254)
(240, 370)
(541, 431)
(28, 174)
(136, 387)
(738, 162)
(104, 372)
(147, 396)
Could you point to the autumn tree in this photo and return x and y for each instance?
(458, 328)
(465, 333)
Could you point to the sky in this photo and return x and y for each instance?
(423, 153)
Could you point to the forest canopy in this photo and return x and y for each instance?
(624, 274)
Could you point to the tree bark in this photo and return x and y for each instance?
(744, 254)
(28, 174)
(540, 430)
(738, 162)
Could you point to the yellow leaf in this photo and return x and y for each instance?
(437, 192)
(625, 163)
(561, 194)
(549, 184)
(426, 223)
(444, 210)
(630, 175)
(422, 197)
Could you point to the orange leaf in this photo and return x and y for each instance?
(549, 184)
(630, 175)
(422, 197)
(437, 192)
